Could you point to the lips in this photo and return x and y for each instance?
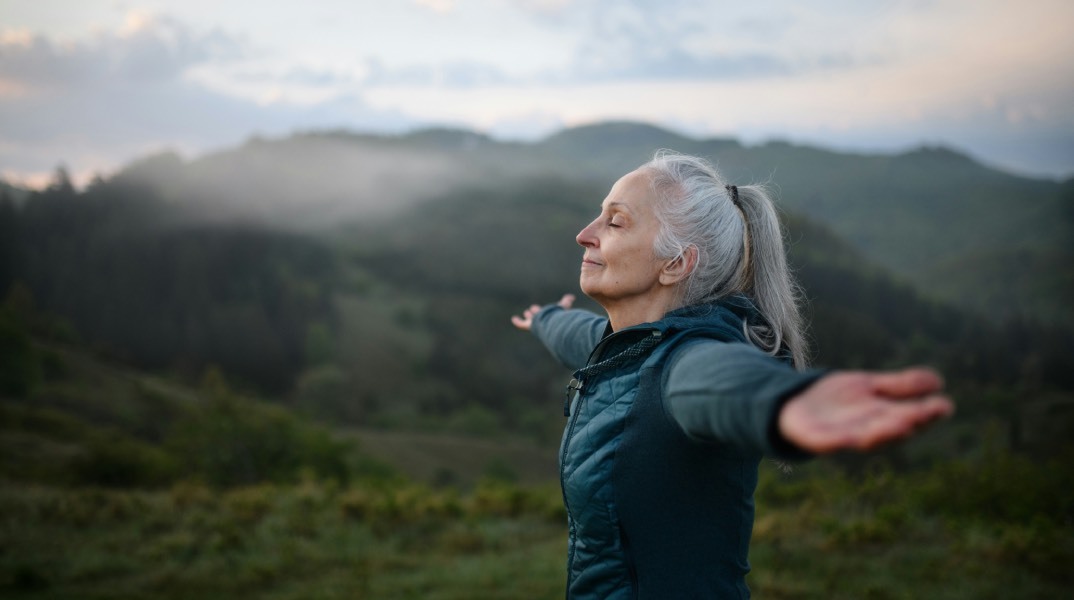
(589, 262)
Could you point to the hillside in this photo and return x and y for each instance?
(90, 421)
(925, 214)
(398, 319)
(395, 317)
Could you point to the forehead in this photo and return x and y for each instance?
(632, 192)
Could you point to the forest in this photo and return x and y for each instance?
(298, 351)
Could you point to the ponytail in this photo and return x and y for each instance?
(767, 278)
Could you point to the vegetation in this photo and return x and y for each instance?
(205, 393)
(1004, 531)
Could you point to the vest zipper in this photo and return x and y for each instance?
(563, 488)
(563, 456)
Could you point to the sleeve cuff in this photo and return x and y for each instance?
(779, 446)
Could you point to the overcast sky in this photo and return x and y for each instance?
(94, 84)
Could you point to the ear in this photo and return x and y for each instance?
(676, 269)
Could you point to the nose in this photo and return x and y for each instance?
(587, 237)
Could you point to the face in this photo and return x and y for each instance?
(619, 264)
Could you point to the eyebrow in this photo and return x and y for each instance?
(617, 204)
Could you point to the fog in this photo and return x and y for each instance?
(316, 181)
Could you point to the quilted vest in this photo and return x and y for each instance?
(652, 514)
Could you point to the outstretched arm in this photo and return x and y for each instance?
(569, 334)
(525, 322)
(862, 410)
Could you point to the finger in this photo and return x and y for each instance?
(907, 383)
(900, 421)
(937, 407)
(567, 300)
(521, 323)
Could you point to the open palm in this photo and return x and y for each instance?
(852, 410)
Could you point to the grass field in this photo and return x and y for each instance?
(438, 459)
(449, 517)
(956, 531)
(304, 541)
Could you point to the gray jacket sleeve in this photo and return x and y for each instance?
(732, 393)
(569, 334)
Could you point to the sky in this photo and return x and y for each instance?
(95, 84)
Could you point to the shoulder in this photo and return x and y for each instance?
(699, 349)
(701, 359)
(572, 316)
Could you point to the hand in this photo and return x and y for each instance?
(525, 322)
(862, 410)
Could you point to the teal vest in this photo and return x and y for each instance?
(652, 514)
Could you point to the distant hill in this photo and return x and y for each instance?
(385, 304)
(958, 230)
(926, 214)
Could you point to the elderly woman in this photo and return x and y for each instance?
(695, 373)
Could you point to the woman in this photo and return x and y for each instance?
(694, 374)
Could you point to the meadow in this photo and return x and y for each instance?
(997, 527)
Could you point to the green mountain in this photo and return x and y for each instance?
(368, 281)
(958, 230)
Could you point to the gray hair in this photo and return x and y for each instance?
(739, 244)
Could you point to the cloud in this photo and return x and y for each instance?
(298, 75)
(691, 40)
(96, 103)
(609, 42)
(455, 74)
(100, 129)
(147, 49)
(114, 85)
(848, 73)
(651, 64)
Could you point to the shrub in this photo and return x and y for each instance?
(1001, 487)
(20, 366)
(233, 441)
(115, 460)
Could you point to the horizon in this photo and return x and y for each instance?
(80, 183)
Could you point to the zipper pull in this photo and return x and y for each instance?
(573, 389)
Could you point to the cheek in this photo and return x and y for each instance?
(640, 256)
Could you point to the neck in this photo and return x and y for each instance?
(635, 311)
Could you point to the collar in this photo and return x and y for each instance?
(724, 317)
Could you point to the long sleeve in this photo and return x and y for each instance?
(732, 393)
(569, 334)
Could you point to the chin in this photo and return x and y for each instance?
(593, 293)
(587, 288)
